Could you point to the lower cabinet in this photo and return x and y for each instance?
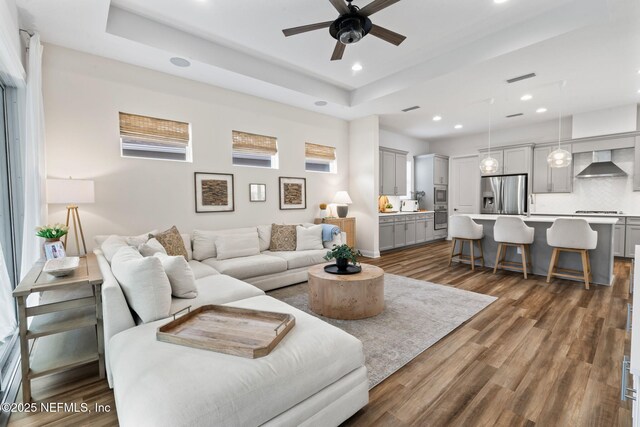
(397, 231)
(386, 236)
(618, 240)
(632, 238)
(399, 234)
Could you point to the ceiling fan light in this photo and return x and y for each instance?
(559, 158)
(351, 31)
(489, 165)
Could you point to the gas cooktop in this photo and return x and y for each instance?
(600, 212)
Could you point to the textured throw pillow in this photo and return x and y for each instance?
(309, 239)
(151, 248)
(144, 283)
(181, 278)
(238, 245)
(172, 242)
(283, 238)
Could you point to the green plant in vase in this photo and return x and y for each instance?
(52, 232)
(388, 207)
(343, 254)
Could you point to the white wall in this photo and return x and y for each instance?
(11, 58)
(83, 95)
(606, 122)
(364, 178)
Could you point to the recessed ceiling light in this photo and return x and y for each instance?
(541, 110)
(179, 62)
(320, 103)
(500, 1)
(356, 67)
(437, 118)
(458, 126)
(526, 97)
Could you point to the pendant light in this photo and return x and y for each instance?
(560, 158)
(489, 165)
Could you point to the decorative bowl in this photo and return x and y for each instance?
(61, 266)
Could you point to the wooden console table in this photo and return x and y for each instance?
(70, 306)
(348, 225)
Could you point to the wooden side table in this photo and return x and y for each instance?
(348, 225)
(69, 306)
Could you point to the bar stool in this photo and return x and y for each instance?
(512, 231)
(571, 235)
(464, 229)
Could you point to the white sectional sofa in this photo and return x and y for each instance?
(315, 376)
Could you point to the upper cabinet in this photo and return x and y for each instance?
(514, 160)
(547, 179)
(393, 172)
(440, 170)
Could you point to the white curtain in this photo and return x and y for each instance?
(35, 208)
(8, 322)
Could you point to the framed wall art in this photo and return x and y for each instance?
(293, 193)
(214, 192)
(257, 192)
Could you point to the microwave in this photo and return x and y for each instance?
(440, 195)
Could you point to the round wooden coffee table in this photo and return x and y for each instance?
(346, 297)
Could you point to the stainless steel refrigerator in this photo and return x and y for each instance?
(504, 195)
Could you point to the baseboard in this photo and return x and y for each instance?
(370, 254)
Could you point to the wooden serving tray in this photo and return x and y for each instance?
(231, 330)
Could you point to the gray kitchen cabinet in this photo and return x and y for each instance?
(636, 166)
(440, 170)
(397, 231)
(410, 231)
(421, 230)
(547, 179)
(632, 236)
(399, 235)
(430, 235)
(393, 172)
(618, 240)
(517, 160)
(386, 236)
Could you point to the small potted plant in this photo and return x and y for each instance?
(343, 254)
(388, 207)
(52, 233)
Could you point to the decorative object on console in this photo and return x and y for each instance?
(323, 210)
(293, 193)
(62, 266)
(343, 254)
(52, 248)
(343, 201)
(172, 242)
(214, 192)
(560, 158)
(72, 192)
(283, 238)
(489, 165)
(257, 192)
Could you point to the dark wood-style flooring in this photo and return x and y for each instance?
(542, 354)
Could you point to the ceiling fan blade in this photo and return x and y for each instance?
(340, 6)
(305, 28)
(376, 6)
(387, 35)
(338, 52)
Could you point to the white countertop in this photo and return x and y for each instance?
(617, 215)
(402, 213)
(635, 323)
(591, 220)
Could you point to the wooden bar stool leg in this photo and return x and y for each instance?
(529, 258)
(585, 267)
(524, 260)
(481, 252)
(589, 265)
(473, 258)
(453, 249)
(552, 264)
(495, 267)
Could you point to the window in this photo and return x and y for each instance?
(152, 138)
(319, 158)
(254, 150)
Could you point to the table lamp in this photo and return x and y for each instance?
(343, 201)
(71, 192)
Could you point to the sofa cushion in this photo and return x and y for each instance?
(144, 283)
(264, 235)
(111, 245)
(298, 259)
(283, 237)
(250, 266)
(210, 388)
(151, 247)
(172, 241)
(237, 245)
(201, 270)
(181, 277)
(204, 241)
(309, 238)
(216, 289)
(101, 238)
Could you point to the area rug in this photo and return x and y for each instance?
(417, 315)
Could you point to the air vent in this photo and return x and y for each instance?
(514, 115)
(520, 78)
(415, 107)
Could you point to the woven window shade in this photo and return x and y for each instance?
(317, 151)
(154, 131)
(259, 145)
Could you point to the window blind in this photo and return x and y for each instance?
(317, 151)
(257, 145)
(154, 131)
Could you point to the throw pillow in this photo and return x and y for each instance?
(236, 246)
(151, 248)
(172, 242)
(181, 278)
(309, 239)
(204, 241)
(112, 245)
(264, 234)
(186, 238)
(144, 283)
(283, 238)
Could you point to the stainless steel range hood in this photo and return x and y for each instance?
(601, 167)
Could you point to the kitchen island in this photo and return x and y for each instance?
(601, 256)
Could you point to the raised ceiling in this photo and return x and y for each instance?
(457, 53)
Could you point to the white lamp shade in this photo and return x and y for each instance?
(70, 191)
(342, 198)
(559, 158)
(489, 165)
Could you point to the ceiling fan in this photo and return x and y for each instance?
(352, 25)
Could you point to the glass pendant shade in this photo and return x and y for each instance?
(559, 158)
(489, 165)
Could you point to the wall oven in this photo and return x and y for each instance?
(441, 218)
(440, 195)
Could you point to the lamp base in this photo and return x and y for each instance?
(342, 211)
